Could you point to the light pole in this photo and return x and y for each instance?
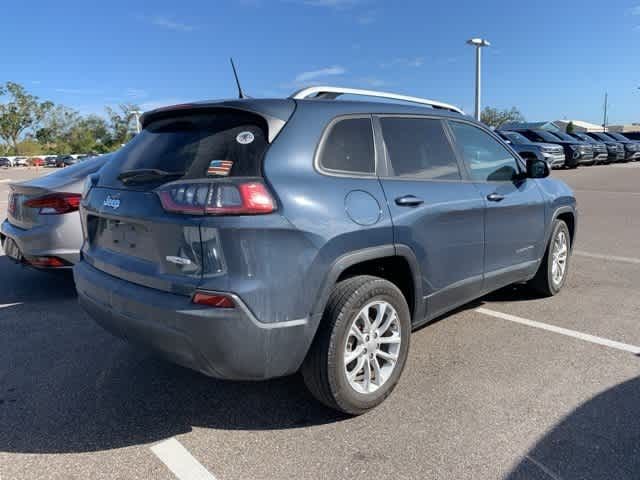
(478, 43)
(136, 114)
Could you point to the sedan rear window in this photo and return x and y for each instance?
(211, 145)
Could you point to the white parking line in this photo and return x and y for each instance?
(612, 258)
(562, 331)
(178, 459)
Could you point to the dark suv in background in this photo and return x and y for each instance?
(632, 147)
(631, 150)
(576, 152)
(613, 151)
(553, 154)
(250, 239)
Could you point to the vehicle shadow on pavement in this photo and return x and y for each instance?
(67, 386)
(513, 293)
(19, 283)
(598, 440)
(111, 395)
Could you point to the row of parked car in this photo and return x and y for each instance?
(57, 161)
(561, 149)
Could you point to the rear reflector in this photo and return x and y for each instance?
(215, 300)
(55, 203)
(217, 198)
(46, 262)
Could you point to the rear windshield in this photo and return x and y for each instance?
(205, 145)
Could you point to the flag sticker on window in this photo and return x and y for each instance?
(219, 167)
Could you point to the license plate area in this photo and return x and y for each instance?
(122, 236)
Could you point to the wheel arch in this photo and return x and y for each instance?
(405, 275)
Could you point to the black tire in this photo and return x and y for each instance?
(323, 368)
(543, 281)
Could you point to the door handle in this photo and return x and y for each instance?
(409, 201)
(495, 197)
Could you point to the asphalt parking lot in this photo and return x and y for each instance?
(511, 386)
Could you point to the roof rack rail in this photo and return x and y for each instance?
(330, 93)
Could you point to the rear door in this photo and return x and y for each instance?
(435, 211)
(515, 215)
(142, 218)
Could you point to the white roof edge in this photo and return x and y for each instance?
(337, 91)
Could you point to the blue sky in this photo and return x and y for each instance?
(550, 59)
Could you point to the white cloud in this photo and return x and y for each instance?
(320, 73)
(331, 3)
(163, 102)
(78, 91)
(414, 62)
(373, 82)
(635, 10)
(136, 93)
(170, 24)
(36, 82)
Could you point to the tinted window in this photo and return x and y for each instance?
(487, 159)
(349, 147)
(564, 136)
(516, 137)
(216, 144)
(617, 136)
(419, 148)
(546, 136)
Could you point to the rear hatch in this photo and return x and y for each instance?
(142, 217)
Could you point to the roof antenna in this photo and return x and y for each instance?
(235, 74)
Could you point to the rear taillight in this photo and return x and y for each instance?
(47, 262)
(217, 198)
(55, 203)
(216, 300)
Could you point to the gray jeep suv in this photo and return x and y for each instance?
(251, 239)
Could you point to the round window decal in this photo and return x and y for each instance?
(245, 138)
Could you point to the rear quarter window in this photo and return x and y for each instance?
(348, 147)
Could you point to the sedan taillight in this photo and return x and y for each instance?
(55, 203)
(217, 198)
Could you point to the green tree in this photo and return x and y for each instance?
(571, 127)
(89, 134)
(496, 118)
(55, 129)
(20, 113)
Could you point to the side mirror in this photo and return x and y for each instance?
(537, 168)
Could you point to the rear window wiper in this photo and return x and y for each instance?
(142, 175)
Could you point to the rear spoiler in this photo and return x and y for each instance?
(275, 113)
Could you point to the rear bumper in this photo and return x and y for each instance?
(222, 343)
(44, 241)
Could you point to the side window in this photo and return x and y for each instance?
(419, 148)
(349, 147)
(488, 160)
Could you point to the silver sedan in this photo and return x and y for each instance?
(43, 227)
